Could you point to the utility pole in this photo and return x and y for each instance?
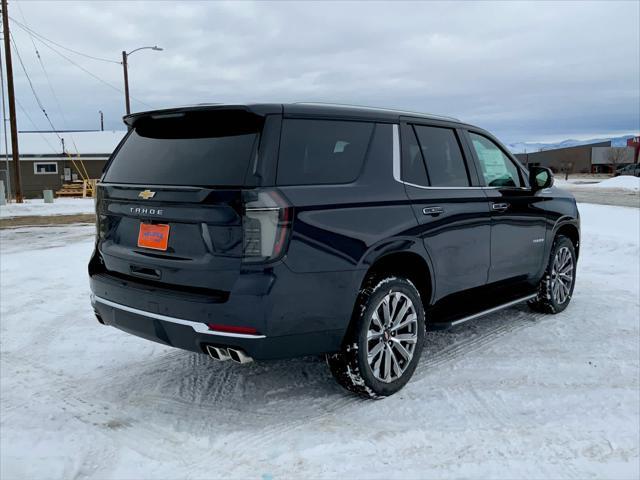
(125, 68)
(101, 120)
(126, 81)
(12, 103)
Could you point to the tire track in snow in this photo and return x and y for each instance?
(88, 406)
(481, 335)
(196, 394)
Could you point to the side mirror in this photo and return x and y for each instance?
(540, 178)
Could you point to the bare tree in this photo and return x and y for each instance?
(566, 167)
(616, 156)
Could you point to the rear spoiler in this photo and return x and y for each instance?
(261, 109)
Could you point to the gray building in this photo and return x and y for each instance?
(576, 159)
(49, 160)
(606, 160)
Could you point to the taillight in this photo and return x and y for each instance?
(232, 329)
(266, 225)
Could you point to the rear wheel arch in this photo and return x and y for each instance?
(407, 264)
(404, 264)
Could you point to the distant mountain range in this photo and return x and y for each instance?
(522, 147)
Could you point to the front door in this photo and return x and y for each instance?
(518, 224)
(453, 215)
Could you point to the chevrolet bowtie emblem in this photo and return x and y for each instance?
(146, 194)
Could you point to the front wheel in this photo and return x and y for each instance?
(383, 346)
(556, 287)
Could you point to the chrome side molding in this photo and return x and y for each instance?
(492, 310)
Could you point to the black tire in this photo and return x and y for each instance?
(548, 301)
(351, 367)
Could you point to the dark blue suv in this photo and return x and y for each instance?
(255, 232)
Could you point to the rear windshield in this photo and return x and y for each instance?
(194, 148)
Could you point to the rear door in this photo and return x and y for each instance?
(518, 216)
(451, 209)
(171, 200)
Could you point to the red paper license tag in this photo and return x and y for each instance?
(155, 236)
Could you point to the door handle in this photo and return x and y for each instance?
(499, 207)
(433, 211)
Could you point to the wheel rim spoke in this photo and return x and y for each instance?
(403, 351)
(395, 363)
(387, 364)
(397, 319)
(385, 311)
(375, 319)
(410, 319)
(375, 351)
(377, 364)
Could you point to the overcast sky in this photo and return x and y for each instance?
(526, 71)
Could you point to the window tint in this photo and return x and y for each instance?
(322, 151)
(413, 170)
(497, 169)
(442, 154)
(199, 148)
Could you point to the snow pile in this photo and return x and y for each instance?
(624, 182)
(514, 395)
(61, 206)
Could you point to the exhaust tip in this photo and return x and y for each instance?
(239, 356)
(217, 353)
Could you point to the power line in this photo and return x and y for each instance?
(42, 38)
(33, 90)
(24, 111)
(110, 85)
(44, 70)
(35, 94)
(39, 102)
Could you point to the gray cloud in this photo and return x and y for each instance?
(527, 71)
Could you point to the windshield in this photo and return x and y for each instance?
(192, 148)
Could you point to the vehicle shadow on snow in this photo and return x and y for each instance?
(197, 389)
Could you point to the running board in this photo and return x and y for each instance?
(453, 323)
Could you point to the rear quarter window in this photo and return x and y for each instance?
(322, 151)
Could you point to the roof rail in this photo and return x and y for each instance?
(365, 107)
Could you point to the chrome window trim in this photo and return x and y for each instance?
(197, 326)
(397, 170)
(396, 153)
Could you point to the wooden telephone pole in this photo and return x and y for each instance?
(12, 104)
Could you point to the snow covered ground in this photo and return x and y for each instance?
(61, 206)
(622, 182)
(620, 191)
(513, 395)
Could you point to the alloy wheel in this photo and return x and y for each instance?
(392, 337)
(562, 275)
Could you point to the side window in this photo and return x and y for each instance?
(322, 151)
(45, 168)
(443, 157)
(497, 169)
(413, 170)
